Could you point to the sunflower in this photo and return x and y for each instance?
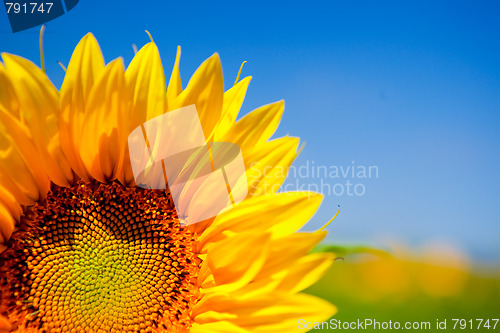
(83, 249)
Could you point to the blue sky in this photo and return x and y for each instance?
(412, 88)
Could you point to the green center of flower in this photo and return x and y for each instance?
(100, 258)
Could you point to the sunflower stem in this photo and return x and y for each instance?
(150, 37)
(239, 73)
(328, 223)
(62, 66)
(42, 60)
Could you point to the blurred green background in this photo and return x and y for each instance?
(437, 282)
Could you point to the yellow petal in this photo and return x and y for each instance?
(306, 271)
(280, 214)
(282, 255)
(217, 327)
(259, 287)
(233, 99)
(25, 74)
(299, 275)
(267, 313)
(8, 98)
(268, 164)
(7, 224)
(85, 66)
(284, 315)
(103, 140)
(21, 172)
(225, 264)
(175, 83)
(146, 81)
(39, 109)
(10, 202)
(205, 90)
(257, 126)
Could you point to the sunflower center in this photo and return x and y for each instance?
(100, 258)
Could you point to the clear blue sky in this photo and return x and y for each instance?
(413, 88)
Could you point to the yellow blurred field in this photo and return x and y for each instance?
(435, 284)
